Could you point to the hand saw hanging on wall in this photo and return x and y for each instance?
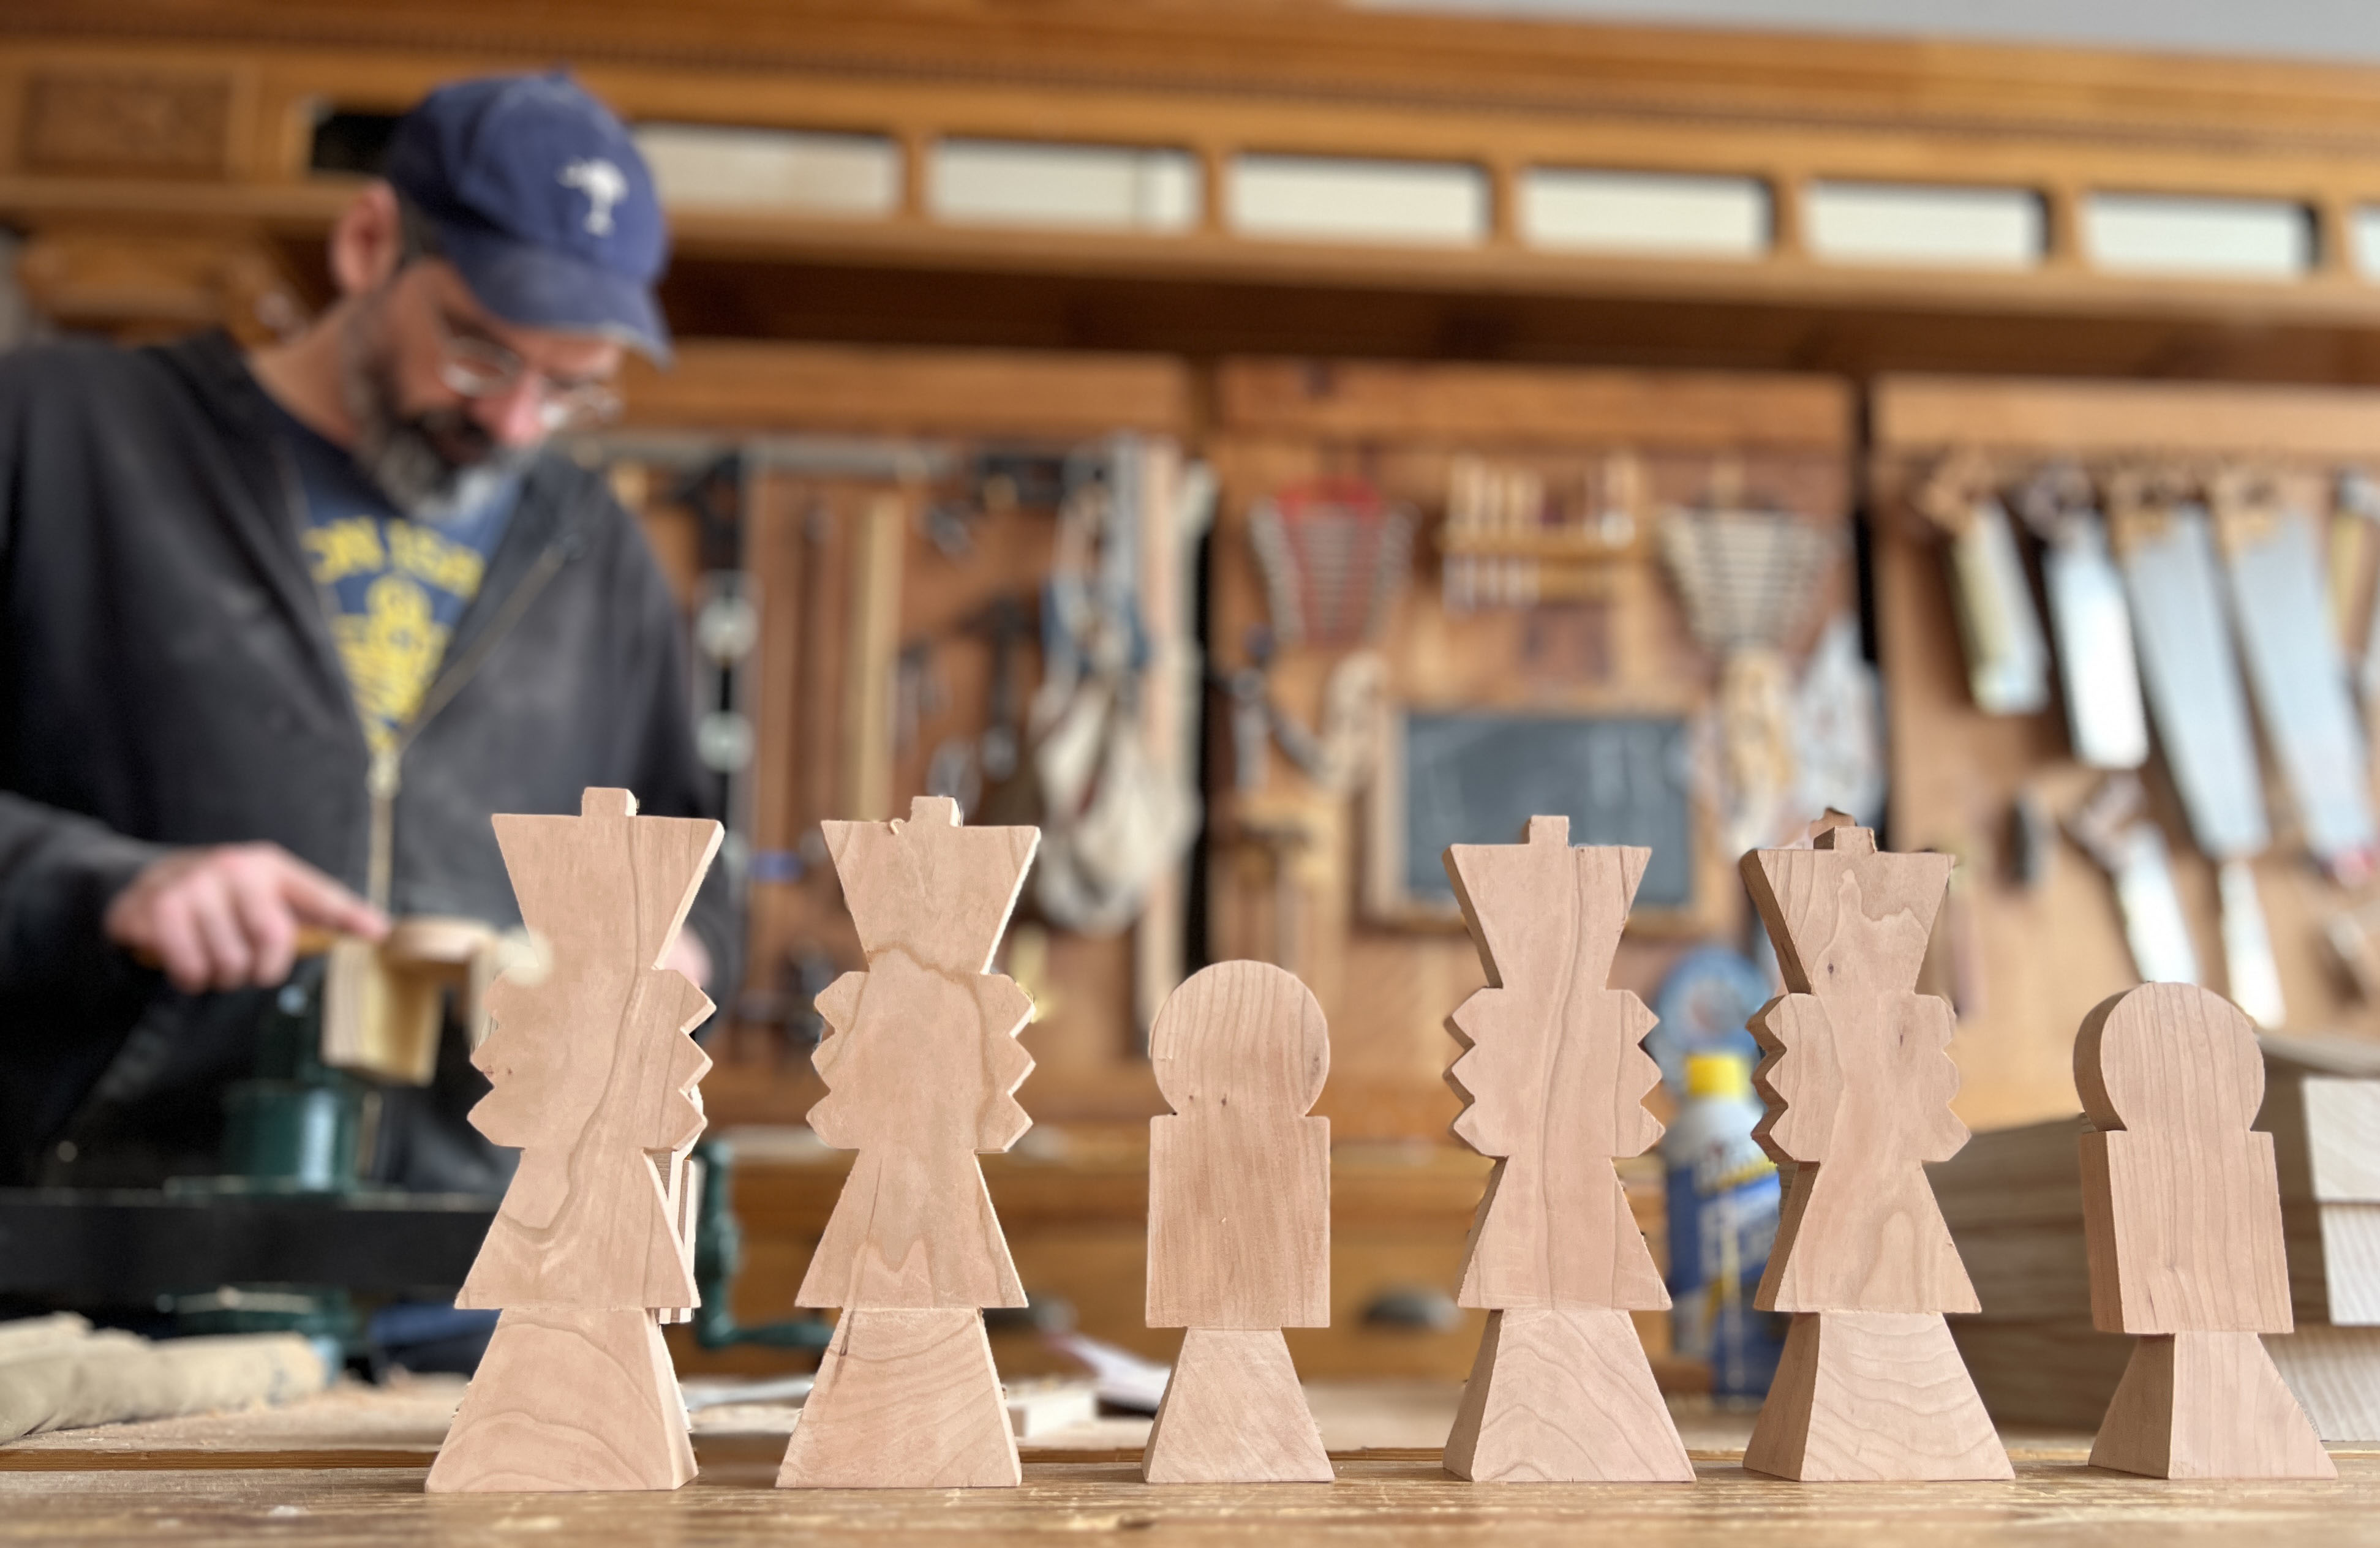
(2008, 659)
(2266, 526)
(2088, 619)
(2165, 544)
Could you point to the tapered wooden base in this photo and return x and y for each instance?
(1564, 1397)
(565, 1401)
(1872, 1395)
(904, 1400)
(2207, 1405)
(1234, 1413)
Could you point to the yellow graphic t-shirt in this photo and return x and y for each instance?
(395, 586)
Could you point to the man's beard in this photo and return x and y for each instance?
(433, 466)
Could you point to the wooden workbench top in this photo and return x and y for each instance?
(347, 1467)
(1374, 1502)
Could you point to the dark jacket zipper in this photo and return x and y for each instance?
(383, 778)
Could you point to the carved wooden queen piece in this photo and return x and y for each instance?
(922, 1065)
(1858, 1082)
(1554, 1079)
(595, 1081)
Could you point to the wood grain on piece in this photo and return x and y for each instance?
(2342, 1138)
(2326, 1128)
(1858, 1085)
(1563, 1397)
(1857, 1080)
(1555, 1077)
(2014, 1200)
(921, 1063)
(2335, 1372)
(1239, 1223)
(922, 1066)
(1239, 1179)
(594, 1079)
(1233, 1412)
(1554, 1074)
(1865, 1397)
(2181, 1218)
(566, 1399)
(2207, 1405)
(906, 1398)
(2181, 1204)
(591, 1070)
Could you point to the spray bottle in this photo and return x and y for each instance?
(1723, 1199)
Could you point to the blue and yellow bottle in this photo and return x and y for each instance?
(1723, 1199)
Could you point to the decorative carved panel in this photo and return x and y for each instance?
(127, 125)
(139, 282)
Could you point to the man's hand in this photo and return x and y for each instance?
(227, 916)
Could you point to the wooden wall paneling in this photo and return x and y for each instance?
(118, 122)
(1283, 421)
(833, 435)
(803, 546)
(2054, 951)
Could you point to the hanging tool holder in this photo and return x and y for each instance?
(2063, 569)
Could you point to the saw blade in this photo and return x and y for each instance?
(2008, 659)
(2186, 665)
(2155, 926)
(2094, 629)
(2300, 686)
(2248, 971)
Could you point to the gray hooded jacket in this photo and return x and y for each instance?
(168, 677)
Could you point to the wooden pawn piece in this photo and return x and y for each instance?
(1858, 1083)
(922, 1066)
(1239, 1225)
(2182, 1215)
(1555, 1077)
(594, 1078)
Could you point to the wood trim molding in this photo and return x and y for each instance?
(1508, 97)
(1324, 52)
(1924, 415)
(718, 386)
(1385, 401)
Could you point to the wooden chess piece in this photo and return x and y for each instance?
(922, 1067)
(2181, 1213)
(1555, 1080)
(1858, 1085)
(1239, 1225)
(594, 1079)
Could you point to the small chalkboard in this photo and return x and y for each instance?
(1475, 777)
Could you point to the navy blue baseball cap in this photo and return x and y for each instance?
(540, 199)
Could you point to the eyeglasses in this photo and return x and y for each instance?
(480, 367)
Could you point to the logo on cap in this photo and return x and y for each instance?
(605, 186)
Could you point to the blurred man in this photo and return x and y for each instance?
(281, 630)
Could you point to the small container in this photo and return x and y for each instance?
(1723, 1199)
